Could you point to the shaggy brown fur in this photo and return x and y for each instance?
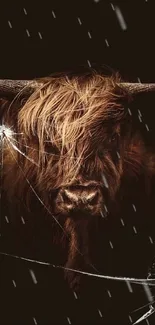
(74, 129)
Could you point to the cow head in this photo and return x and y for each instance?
(77, 145)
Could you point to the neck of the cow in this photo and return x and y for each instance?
(79, 249)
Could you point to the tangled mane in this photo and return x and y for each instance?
(61, 126)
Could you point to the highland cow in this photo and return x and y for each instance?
(71, 146)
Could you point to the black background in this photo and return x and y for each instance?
(65, 44)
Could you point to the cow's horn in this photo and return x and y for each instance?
(135, 88)
(13, 87)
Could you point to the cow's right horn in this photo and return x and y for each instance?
(135, 88)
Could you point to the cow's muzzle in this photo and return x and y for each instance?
(79, 198)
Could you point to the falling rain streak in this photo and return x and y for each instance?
(107, 42)
(148, 293)
(134, 229)
(151, 240)
(89, 35)
(53, 13)
(79, 20)
(109, 293)
(10, 25)
(105, 181)
(112, 6)
(139, 112)
(89, 64)
(120, 18)
(33, 276)
(23, 221)
(14, 283)
(27, 31)
(69, 321)
(35, 322)
(111, 245)
(129, 286)
(40, 35)
(122, 222)
(130, 318)
(6, 218)
(147, 128)
(100, 313)
(25, 12)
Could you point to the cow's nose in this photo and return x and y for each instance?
(80, 197)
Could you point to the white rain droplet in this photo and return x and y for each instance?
(140, 119)
(118, 155)
(148, 293)
(22, 219)
(139, 80)
(120, 18)
(134, 207)
(40, 35)
(105, 181)
(53, 13)
(69, 321)
(100, 313)
(129, 111)
(129, 286)
(35, 322)
(107, 42)
(135, 230)
(111, 245)
(122, 222)
(130, 318)
(103, 216)
(151, 240)
(89, 63)
(6, 218)
(96, 1)
(14, 283)
(147, 128)
(25, 12)
(89, 35)
(147, 321)
(28, 33)
(9, 22)
(112, 6)
(75, 295)
(79, 20)
(33, 276)
(139, 112)
(105, 208)
(109, 293)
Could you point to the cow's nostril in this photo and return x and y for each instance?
(65, 197)
(79, 197)
(93, 199)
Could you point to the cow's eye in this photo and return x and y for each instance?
(114, 138)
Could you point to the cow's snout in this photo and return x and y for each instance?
(80, 197)
(86, 198)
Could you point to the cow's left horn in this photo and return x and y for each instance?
(13, 87)
(135, 88)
